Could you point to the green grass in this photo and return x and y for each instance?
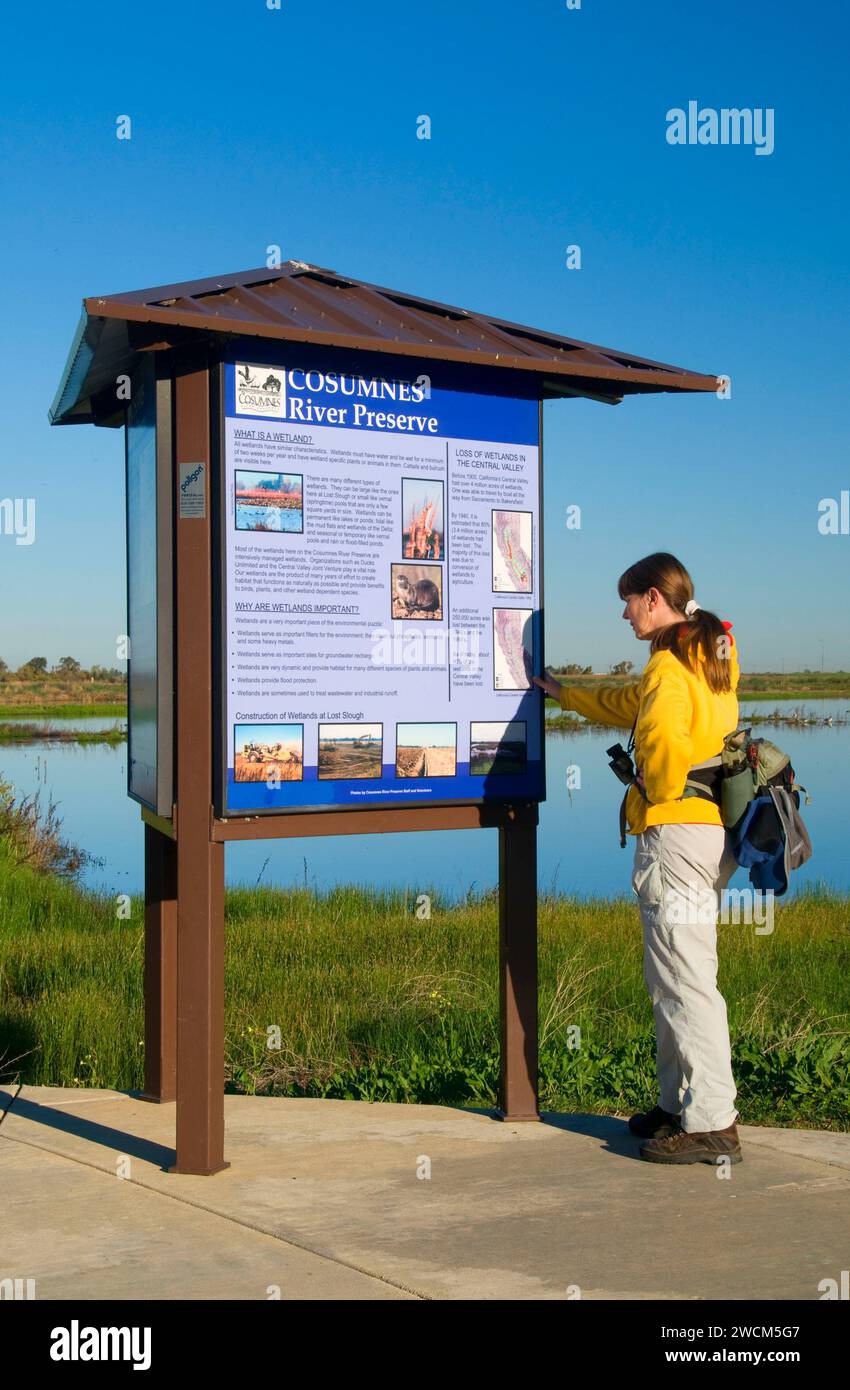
(15, 732)
(374, 1003)
(794, 685)
(69, 711)
(57, 694)
(815, 692)
(757, 685)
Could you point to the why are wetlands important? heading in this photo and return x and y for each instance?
(246, 607)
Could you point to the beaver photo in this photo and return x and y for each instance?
(421, 597)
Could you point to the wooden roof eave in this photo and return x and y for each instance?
(671, 379)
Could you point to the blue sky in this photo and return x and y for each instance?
(428, 735)
(297, 127)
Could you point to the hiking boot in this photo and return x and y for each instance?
(655, 1124)
(710, 1146)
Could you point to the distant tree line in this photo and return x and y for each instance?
(67, 668)
(569, 668)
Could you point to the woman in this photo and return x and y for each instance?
(681, 708)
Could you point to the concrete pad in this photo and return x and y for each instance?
(821, 1146)
(80, 1236)
(423, 1201)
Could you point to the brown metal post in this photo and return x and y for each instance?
(160, 967)
(200, 863)
(518, 963)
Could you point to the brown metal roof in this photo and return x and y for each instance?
(304, 303)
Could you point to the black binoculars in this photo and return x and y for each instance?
(621, 764)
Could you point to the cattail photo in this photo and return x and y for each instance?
(422, 534)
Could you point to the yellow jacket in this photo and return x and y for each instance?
(680, 722)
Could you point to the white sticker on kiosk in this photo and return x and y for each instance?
(193, 490)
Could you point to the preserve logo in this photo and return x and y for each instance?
(260, 391)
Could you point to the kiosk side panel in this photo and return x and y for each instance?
(150, 778)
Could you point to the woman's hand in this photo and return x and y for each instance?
(549, 684)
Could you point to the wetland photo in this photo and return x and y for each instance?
(263, 751)
(350, 750)
(268, 501)
(426, 750)
(497, 748)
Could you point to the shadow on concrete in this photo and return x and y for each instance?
(81, 1128)
(614, 1134)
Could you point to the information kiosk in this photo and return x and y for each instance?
(335, 604)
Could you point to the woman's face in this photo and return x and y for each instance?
(646, 613)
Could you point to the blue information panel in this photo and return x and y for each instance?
(381, 585)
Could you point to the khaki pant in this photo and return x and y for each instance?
(678, 871)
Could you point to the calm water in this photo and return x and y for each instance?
(579, 849)
(267, 518)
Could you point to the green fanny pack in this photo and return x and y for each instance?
(748, 766)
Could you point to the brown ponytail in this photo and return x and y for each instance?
(685, 636)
